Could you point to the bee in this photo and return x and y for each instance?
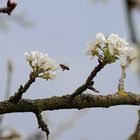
(64, 67)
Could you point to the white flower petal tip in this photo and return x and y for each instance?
(100, 37)
(132, 53)
(128, 53)
(116, 40)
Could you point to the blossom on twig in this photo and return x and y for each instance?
(42, 65)
(115, 43)
(109, 48)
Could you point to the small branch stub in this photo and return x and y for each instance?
(18, 95)
(42, 124)
(10, 7)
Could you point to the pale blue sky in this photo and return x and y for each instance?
(62, 29)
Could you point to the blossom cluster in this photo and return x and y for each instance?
(110, 48)
(42, 65)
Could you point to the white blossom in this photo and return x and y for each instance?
(135, 66)
(41, 64)
(110, 48)
(115, 43)
(128, 53)
(51, 74)
(89, 50)
(100, 38)
(93, 46)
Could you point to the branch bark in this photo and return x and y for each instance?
(65, 102)
(42, 124)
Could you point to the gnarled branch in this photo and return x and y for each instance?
(65, 102)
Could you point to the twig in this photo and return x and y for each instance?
(9, 8)
(22, 89)
(131, 26)
(136, 134)
(123, 75)
(9, 78)
(8, 83)
(42, 124)
(121, 80)
(89, 83)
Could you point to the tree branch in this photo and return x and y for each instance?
(42, 124)
(9, 8)
(65, 102)
(22, 89)
(136, 134)
(89, 83)
(129, 5)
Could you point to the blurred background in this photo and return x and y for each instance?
(62, 29)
